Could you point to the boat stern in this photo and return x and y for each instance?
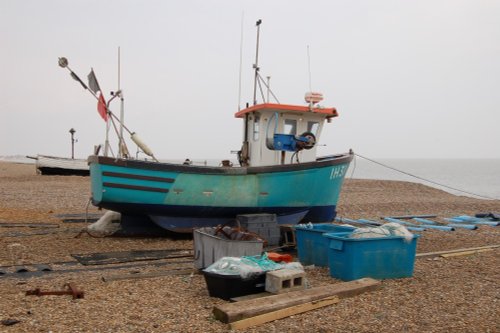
(96, 185)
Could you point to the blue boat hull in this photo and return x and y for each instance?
(179, 197)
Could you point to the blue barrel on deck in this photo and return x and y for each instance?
(378, 258)
(312, 247)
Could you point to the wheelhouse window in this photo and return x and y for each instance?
(290, 126)
(256, 127)
(312, 127)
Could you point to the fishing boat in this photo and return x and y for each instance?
(278, 172)
(60, 166)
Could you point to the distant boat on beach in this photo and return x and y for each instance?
(61, 166)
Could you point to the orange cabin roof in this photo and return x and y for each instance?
(329, 112)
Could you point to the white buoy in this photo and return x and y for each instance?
(134, 137)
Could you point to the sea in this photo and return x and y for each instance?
(478, 178)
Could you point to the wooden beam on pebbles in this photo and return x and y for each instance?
(231, 312)
(283, 313)
(446, 253)
(251, 296)
(27, 225)
(464, 253)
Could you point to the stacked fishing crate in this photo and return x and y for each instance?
(264, 225)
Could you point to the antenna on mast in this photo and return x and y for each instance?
(256, 65)
(118, 68)
(309, 67)
(122, 148)
(241, 59)
(311, 97)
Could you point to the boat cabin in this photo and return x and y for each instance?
(277, 134)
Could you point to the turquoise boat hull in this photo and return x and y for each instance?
(181, 197)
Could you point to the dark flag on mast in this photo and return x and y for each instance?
(94, 86)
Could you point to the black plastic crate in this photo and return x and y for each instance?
(229, 286)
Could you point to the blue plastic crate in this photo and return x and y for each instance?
(312, 247)
(378, 258)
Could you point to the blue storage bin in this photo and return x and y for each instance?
(378, 258)
(312, 247)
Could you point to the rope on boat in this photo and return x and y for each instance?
(261, 79)
(421, 178)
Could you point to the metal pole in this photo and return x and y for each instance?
(122, 119)
(72, 131)
(310, 84)
(108, 125)
(241, 60)
(106, 143)
(268, 87)
(256, 65)
(120, 140)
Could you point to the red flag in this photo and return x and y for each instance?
(101, 108)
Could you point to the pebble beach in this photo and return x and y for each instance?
(455, 294)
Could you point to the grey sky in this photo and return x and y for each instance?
(410, 79)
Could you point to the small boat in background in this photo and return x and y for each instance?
(61, 166)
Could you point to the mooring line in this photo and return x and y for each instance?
(421, 178)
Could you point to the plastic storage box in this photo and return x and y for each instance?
(378, 258)
(208, 247)
(312, 247)
(229, 286)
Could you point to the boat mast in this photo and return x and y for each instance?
(122, 149)
(256, 65)
(244, 154)
(106, 142)
(241, 60)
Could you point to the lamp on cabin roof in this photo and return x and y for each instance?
(72, 131)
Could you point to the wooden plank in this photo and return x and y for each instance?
(464, 253)
(438, 253)
(80, 215)
(28, 225)
(251, 296)
(80, 220)
(27, 234)
(231, 312)
(116, 257)
(129, 276)
(283, 313)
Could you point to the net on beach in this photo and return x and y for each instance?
(247, 266)
(388, 229)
